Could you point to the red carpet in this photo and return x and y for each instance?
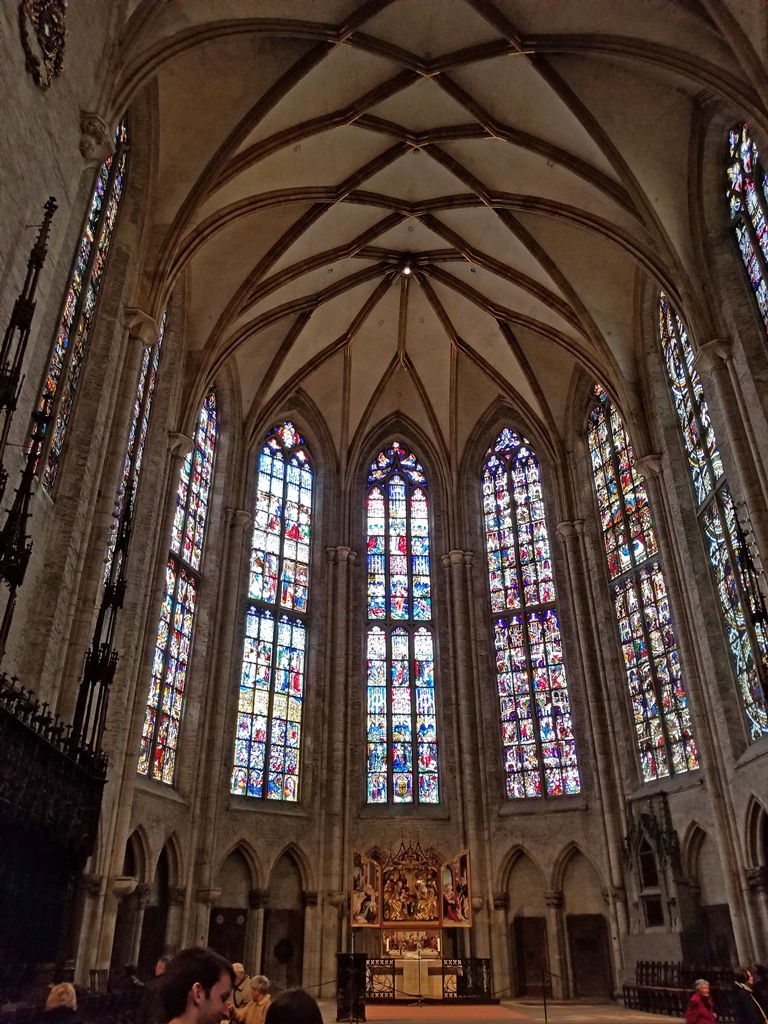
(398, 1011)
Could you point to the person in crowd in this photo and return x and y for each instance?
(294, 1006)
(700, 1009)
(196, 987)
(255, 1011)
(151, 1009)
(61, 1005)
(241, 992)
(746, 1009)
(760, 987)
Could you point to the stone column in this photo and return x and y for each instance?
(605, 759)
(172, 940)
(254, 936)
(205, 898)
(556, 943)
(309, 900)
(714, 360)
(500, 946)
(142, 898)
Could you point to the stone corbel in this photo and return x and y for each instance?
(477, 903)
(179, 444)
(337, 899)
(208, 895)
(142, 328)
(649, 466)
(713, 356)
(124, 885)
(242, 518)
(96, 143)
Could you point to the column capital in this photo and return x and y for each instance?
(553, 897)
(92, 885)
(179, 444)
(454, 557)
(96, 142)
(142, 892)
(649, 466)
(309, 899)
(176, 895)
(142, 328)
(344, 553)
(124, 885)
(258, 899)
(241, 517)
(566, 530)
(469, 557)
(713, 356)
(580, 526)
(337, 899)
(757, 878)
(501, 901)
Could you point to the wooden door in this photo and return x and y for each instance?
(531, 961)
(590, 961)
(226, 932)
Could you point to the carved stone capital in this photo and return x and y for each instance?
(92, 886)
(553, 897)
(337, 899)
(477, 903)
(566, 530)
(309, 899)
(469, 558)
(452, 558)
(96, 143)
(649, 466)
(142, 894)
(579, 525)
(142, 328)
(757, 878)
(258, 899)
(713, 356)
(177, 895)
(207, 895)
(501, 901)
(242, 518)
(179, 445)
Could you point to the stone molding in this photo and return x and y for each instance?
(553, 897)
(258, 899)
(757, 878)
(96, 142)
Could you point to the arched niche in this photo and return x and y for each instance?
(155, 920)
(716, 925)
(586, 928)
(229, 913)
(126, 922)
(283, 947)
(529, 953)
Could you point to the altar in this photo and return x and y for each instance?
(417, 978)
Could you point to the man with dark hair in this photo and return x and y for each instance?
(196, 987)
(294, 1006)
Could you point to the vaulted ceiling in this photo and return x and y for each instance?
(421, 205)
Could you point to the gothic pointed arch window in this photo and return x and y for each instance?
(69, 347)
(271, 698)
(741, 603)
(173, 641)
(537, 731)
(400, 646)
(747, 193)
(640, 602)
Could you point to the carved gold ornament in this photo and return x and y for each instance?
(42, 35)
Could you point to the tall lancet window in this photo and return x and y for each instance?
(748, 205)
(536, 728)
(268, 740)
(741, 602)
(160, 734)
(641, 605)
(402, 722)
(74, 328)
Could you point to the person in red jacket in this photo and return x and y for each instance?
(700, 1009)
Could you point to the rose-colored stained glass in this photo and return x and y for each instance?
(268, 739)
(536, 726)
(651, 661)
(401, 718)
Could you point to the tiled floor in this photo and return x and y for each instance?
(513, 1012)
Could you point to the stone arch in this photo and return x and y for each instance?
(283, 946)
(590, 968)
(690, 848)
(138, 845)
(563, 861)
(756, 833)
(175, 854)
(156, 899)
(300, 860)
(523, 891)
(247, 852)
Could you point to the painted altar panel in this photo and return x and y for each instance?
(406, 944)
(456, 894)
(365, 904)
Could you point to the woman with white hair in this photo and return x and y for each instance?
(700, 1009)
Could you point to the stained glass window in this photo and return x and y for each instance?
(400, 653)
(747, 193)
(268, 739)
(63, 374)
(137, 436)
(641, 605)
(159, 737)
(741, 602)
(536, 727)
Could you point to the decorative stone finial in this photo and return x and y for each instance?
(96, 143)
